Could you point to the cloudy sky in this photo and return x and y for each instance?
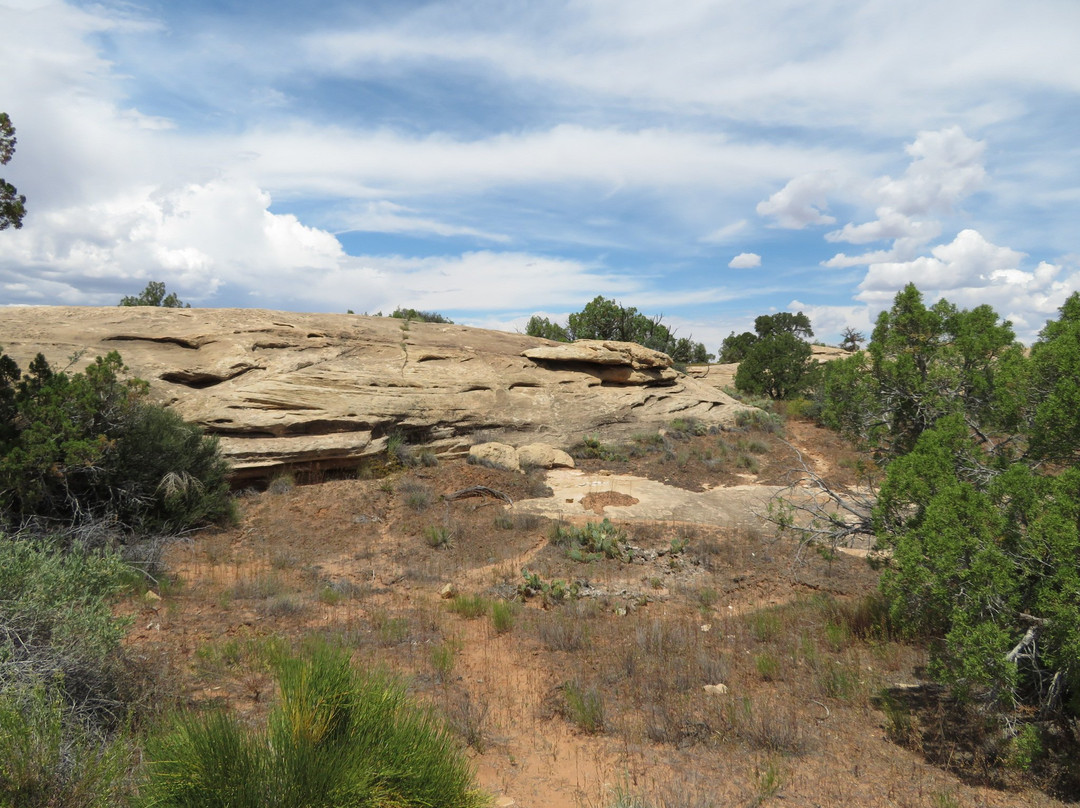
(710, 160)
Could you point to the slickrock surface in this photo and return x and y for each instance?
(282, 388)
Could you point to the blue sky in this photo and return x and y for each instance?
(491, 159)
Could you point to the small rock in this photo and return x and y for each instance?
(719, 689)
(448, 591)
(505, 802)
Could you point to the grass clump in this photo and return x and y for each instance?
(335, 738)
(503, 614)
(470, 606)
(263, 586)
(563, 632)
(436, 536)
(417, 495)
(583, 707)
(443, 658)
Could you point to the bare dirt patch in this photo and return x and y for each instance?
(598, 500)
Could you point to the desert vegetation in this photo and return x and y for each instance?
(899, 627)
(606, 319)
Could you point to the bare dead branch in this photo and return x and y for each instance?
(479, 491)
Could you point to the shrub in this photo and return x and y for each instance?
(154, 295)
(417, 495)
(57, 624)
(777, 362)
(591, 448)
(335, 738)
(591, 542)
(47, 759)
(66, 688)
(687, 427)
(760, 420)
(281, 484)
(607, 320)
(90, 447)
(420, 316)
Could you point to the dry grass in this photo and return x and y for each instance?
(576, 696)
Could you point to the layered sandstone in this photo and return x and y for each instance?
(282, 388)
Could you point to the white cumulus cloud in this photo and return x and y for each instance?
(800, 203)
(745, 261)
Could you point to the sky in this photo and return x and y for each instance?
(704, 160)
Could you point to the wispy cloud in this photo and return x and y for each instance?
(497, 157)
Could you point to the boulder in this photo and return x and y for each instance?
(544, 456)
(285, 389)
(499, 455)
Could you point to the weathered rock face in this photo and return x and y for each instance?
(282, 388)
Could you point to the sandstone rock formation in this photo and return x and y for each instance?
(289, 389)
(544, 456)
(496, 454)
(504, 456)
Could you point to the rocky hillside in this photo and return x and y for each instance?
(284, 389)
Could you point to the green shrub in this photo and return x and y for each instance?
(47, 759)
(66, 686)
(592, 448)
(760, 420)
(335, 738)
(420, 316)
(58, 627)
(1027, 748)
(281, 484)
(687, 427)
(89, 447)
(590, 542)
(154, 295)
